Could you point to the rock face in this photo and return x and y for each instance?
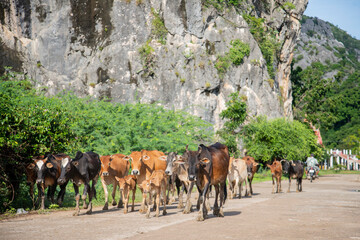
(93, 47)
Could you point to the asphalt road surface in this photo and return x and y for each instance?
(328, 208)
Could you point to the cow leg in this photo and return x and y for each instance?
(239, 185)
(133, 199)
(198, 203)
(142, 207)
(203, 211)
(181, 204)
(273, 188)
(91, 195)
(148, 209)
(157, 210)
(85, 192)
(289, 184)
(222, 196)
(52, 196)
(61, 194)
(125, 194)
(172, 189)
(106, 205)
(250, 184)
(246, 187)
(216, 206)
(300, 184)
(280, 184)
(114, 193)
(188, 206)
(231, 189)
(31, 192)
(77, 199)
(164, 202)
(41, 192)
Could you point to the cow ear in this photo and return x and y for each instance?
(31, 166)
(117, 178)
(268, 165)
(205, 161)
(179, 157)
(145, 157)
(78, 155)
(163, 158)
(49, 165)
(127, 158)
(179, 162)
(75, 163)
(255, 164)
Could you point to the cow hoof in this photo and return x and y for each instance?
(221, 213)
(120, 206)
(164, 212)
(85, 206)
(200, 218)
(89, 212)
(114, 203)
(76, 214)
(105, 208)
(216, 212)
(180, 206)
(148, 216)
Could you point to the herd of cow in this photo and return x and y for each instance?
(153, 173)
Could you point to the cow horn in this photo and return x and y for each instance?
(283, 160)
(199, 149)
(187, 147)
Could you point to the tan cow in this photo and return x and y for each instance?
(112, 166)
(236, 176)
(143, 164)
(127, 184)
(276, 172)
(252, 167)
(155, 186)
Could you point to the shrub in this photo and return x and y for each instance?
(158, 30)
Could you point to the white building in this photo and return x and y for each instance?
(343, 157)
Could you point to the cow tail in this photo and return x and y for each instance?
(225, 193)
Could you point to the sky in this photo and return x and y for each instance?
(342, 13)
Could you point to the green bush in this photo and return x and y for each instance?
(279, 138)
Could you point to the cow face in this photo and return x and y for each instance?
(146, 186)
(44, 167)
(197, 159)
(136, 162)
(251, 165)
(285, 166)
(30, 173)
(66, 170)
(171, 163)
(275, 168)
(105, 165)
(121, 182)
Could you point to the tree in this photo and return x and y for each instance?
(236, 114)
(279, 138)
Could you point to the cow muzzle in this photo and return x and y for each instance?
(38, 181)
(105, 174)
(167, 172)
(192, 178)
(135, 172)
(61, 181)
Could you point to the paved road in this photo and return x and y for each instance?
(328, 208)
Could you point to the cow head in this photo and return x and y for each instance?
(68, 166)
(136, 162)
(197, 159)
(146, 186)
(251, 165)
(172, 163)
(44, 167)
(285, 165)
(275, 167)
(105, 165)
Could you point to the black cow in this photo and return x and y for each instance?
(85, 167)
(209, 165)
(295, 169)
(48, 171)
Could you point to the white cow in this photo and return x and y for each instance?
(236, 176)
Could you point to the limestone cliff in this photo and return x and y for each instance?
(152, 51)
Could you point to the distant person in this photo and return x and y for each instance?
(312, 162)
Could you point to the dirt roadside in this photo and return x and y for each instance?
(328, 208)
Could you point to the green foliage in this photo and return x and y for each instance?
(235, 113)
(279, 138)
(158, 30)
(288, 6)
(266, 38)
(147, 58)
(235, 55)
(221, 5)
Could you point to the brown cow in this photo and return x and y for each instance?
(155, 185)
(143, 164)
(116, 165)
(276, 172)
(127, 184)
(210, 166)
(31, 176)
(252, 167)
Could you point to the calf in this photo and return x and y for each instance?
(127, 184)
(178, 165)
(209, 165)
(295, 169)
(85, 167)
(143, 164)
(31, 176)
(276, 172)
(48, 171)
(252, 167)
(155, 185)
(116, 165)
(237, 175)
